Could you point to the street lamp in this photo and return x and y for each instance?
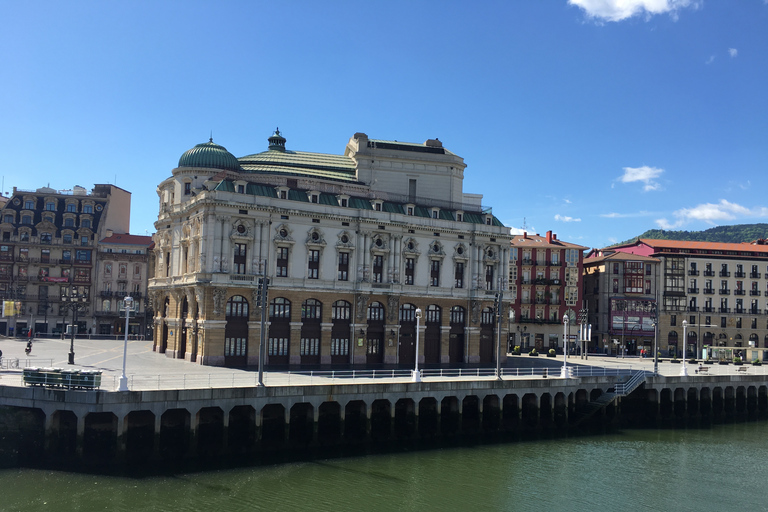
(564, 372)
(76, 302)
(128, 303)
(415, 375)
(684, 368)
(509, 327)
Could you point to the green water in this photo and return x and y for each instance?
(720, 469)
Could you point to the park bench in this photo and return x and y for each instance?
(702, 369)
(741, 369)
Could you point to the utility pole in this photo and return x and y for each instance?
(263, 305)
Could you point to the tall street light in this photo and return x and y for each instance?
(498, 331)
(76, 302)
(128, 304)
(684, 368)
(564, 372)
(415, 375)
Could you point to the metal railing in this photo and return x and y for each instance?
(12, 363)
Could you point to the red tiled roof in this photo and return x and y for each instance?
(706, 246)
(541, 241)
(619, 256)
(127, 239)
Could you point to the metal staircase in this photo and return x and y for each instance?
(622, 388)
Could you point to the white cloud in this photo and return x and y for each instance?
(520, 231)
(733, 52)
(710, 60)
(712, 213)
(616, 215)
(643, 174)
(617, 10)
(565, 218)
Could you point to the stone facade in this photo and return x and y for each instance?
(352, 245)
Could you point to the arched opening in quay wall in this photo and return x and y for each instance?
(248, 427)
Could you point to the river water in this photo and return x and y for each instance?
(722, 468)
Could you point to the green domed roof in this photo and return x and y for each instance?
(211, 156)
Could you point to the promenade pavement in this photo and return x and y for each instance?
(147, 370)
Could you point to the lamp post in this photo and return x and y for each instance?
(684, 368)
(498, 331)
(509, 327)
(415, 375)
(74, 301)
(564, 372)
(128, 304)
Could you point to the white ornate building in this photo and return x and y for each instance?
(353, 244)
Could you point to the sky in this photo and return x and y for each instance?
(595, 119)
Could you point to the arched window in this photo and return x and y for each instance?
(237, 307)
(458, 314)
(280, 308)
(311, 309)
(341, 310)
(376, 311)
(433, 314)
(407, 313)
(487, 316)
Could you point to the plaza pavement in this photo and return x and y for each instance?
(147, 370)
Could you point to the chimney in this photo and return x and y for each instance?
(549, 237)
(525, 234)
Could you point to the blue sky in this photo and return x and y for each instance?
(596, 119)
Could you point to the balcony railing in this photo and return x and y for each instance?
(754, 275)
(693, 290)
(724, 273)
(724, 291)
(709, 273)
(739, 274)
(708, 309)
(739, 292)
(693, 272)
(693, 308)
(709, 291)
(754, 293)
(724, 310)
(739, 310)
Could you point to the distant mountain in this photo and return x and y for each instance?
(724, 234)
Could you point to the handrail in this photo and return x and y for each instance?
(625, 388)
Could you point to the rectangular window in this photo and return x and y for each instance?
(339, 347)
(313, 270)
(378, 268)
(241, 254)
(45, 238)
(459, 275)
(234, 346)
(45, 256)
(489, 277)
(282, 262)
(434, 274)
(310, 347)
(409, 270)
(343, 266)
(278, 346)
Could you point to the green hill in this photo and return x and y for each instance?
(725, 234)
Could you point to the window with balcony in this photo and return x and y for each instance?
(459, 275)
(409, 270)
(343, 268)
(240, 258)
(281, 269)
(313, 265)
(434, 273)
(378, 268)
(489, 270)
